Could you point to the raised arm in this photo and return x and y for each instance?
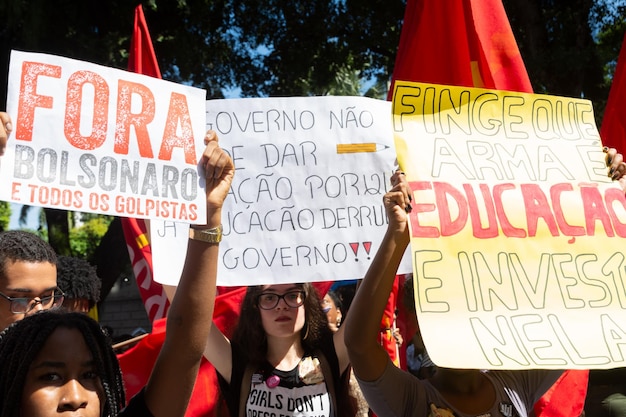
(367, 357)
(188, 320)
(5, 130)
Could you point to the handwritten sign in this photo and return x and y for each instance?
(306, 201)
(95, 139)
(516, 231)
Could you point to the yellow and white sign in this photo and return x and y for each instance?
(516, 229)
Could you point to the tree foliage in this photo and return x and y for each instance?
(5, 215)
(292, 48)
(85, 237)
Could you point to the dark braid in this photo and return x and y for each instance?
(21, 342)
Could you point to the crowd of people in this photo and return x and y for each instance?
(293, 353)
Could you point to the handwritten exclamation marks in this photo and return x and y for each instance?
(355, 248)
(367, 246)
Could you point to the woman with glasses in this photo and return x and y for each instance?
(282, 360)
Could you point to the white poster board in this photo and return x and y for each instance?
(95, 139)
(306, 201)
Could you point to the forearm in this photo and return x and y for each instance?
(188, 324)
(366, 310)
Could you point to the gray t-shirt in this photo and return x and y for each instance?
(399, 394)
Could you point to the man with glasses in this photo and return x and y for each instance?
(28, 276)
(28, 272)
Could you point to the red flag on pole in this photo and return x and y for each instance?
(142, 60)
(613, 130)
(470, 43)
(459, 42)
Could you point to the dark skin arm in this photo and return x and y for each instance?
(367, 356)
(189, 318)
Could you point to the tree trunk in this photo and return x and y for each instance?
(111, 257)
(58, 231)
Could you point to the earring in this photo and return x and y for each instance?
(338, 321)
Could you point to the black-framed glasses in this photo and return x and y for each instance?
(269, 300)
(22, 305)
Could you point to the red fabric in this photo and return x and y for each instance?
(137, 362)
(388, 323)
(459, 42)
(406, 321)
(470, 43)
(142, 60)
(152, 293)
(613, 130)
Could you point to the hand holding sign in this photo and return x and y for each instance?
(617, 166)
(5, 130)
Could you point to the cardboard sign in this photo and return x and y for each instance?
(306, 201)
(516, 229)
(95, 139)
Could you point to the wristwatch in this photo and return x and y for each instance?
(212, 235)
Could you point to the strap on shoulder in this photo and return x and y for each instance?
(245, 389)
(328, 379)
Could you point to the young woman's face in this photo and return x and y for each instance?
(284, 319)
(63, 379)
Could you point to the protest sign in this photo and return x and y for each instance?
(306, 200)
(516, 229)
(95, 139)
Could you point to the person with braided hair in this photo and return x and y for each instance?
(65, 364)
(25, 349)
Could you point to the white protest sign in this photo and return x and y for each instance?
(306, 201)
(517, 231)
(95, 139)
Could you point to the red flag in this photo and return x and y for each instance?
(613, 130)
(142, 60)
(470, 43)
(459, 42)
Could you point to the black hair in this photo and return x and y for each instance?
(78, 279)
(21, 342)
(250, 334)
(346, 294)
(18, 245)
(336, 300)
